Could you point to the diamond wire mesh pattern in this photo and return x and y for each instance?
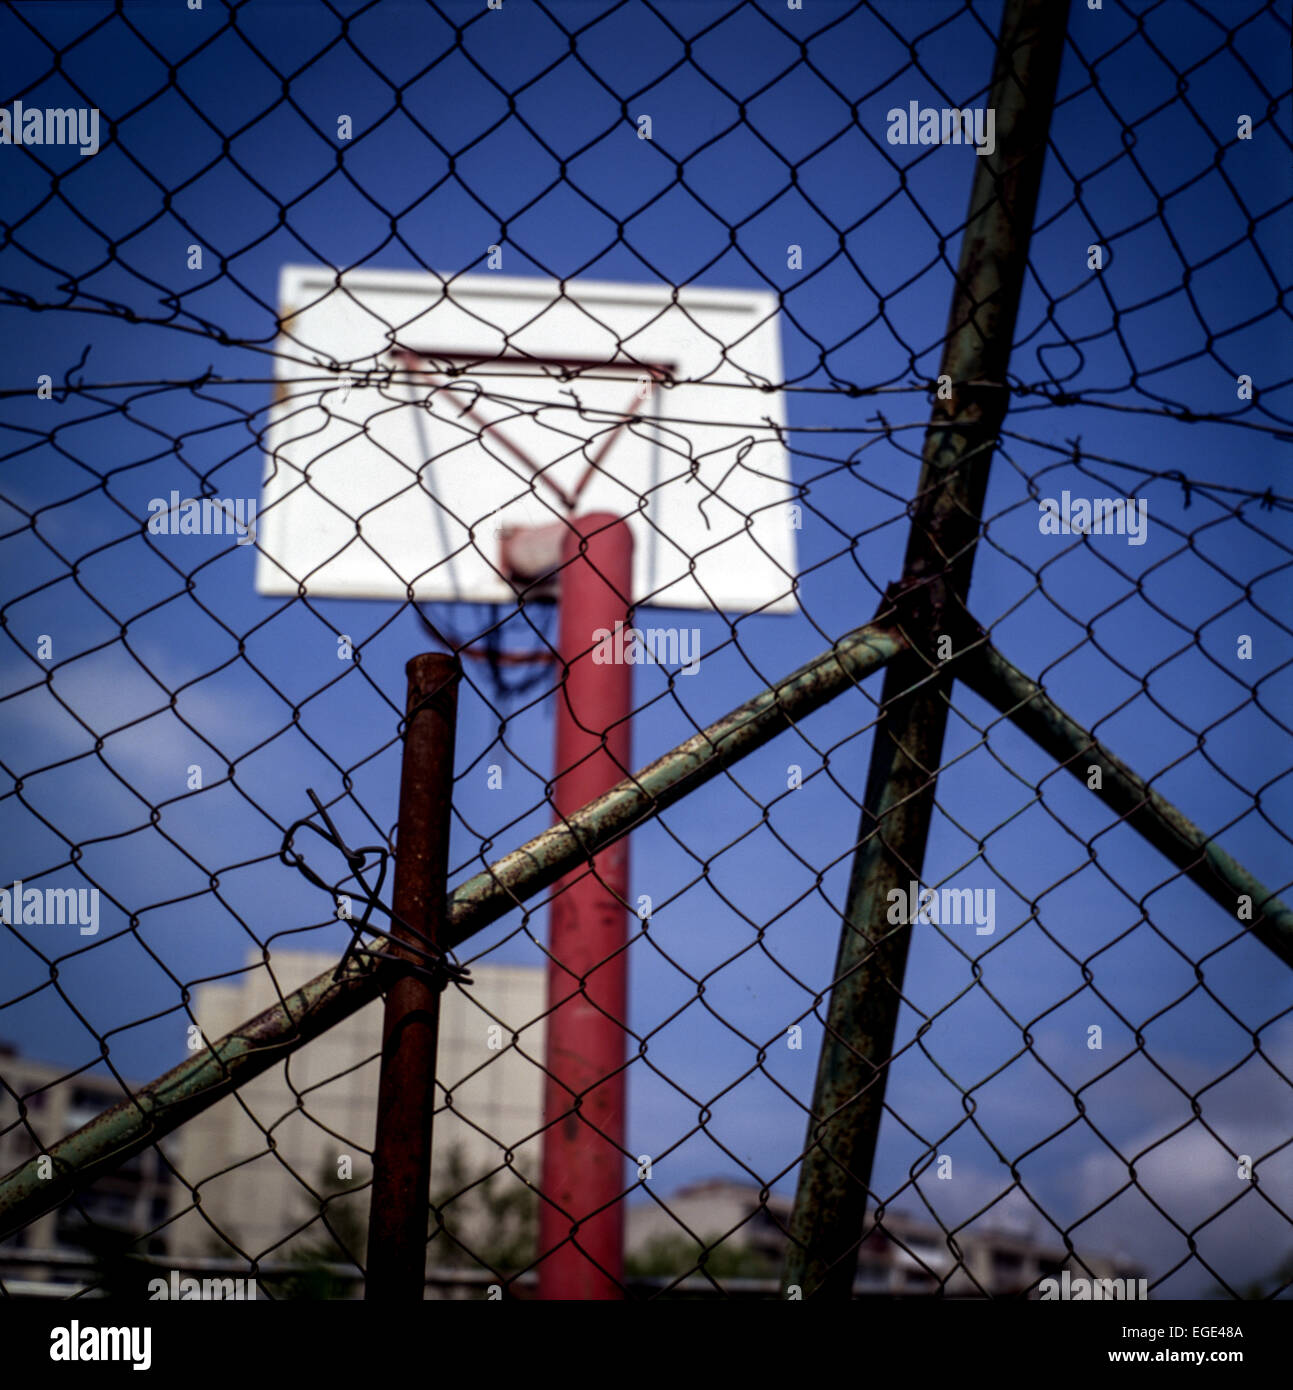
(1095, 1083)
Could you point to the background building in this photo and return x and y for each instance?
(54, 1252)
(908, 1256)
(253, 1163)
(245, 1179)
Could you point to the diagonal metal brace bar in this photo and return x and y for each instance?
(1172, 833)
(188, 1089)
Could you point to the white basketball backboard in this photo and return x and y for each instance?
(437, 417)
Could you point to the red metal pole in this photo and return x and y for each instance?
(400, 1199)
(581, 1221)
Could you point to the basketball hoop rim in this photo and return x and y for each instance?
(662, 372)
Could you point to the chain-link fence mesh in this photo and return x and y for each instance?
(1090, 1075)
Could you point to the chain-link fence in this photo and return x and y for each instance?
(934, 987)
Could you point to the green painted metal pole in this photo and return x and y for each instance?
(1173, 834)
(188, 1089)
(848, 1097)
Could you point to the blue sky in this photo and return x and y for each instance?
(165, 653)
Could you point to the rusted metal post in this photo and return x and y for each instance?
(397, 1222)
(928, 602)
(581, 1221)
